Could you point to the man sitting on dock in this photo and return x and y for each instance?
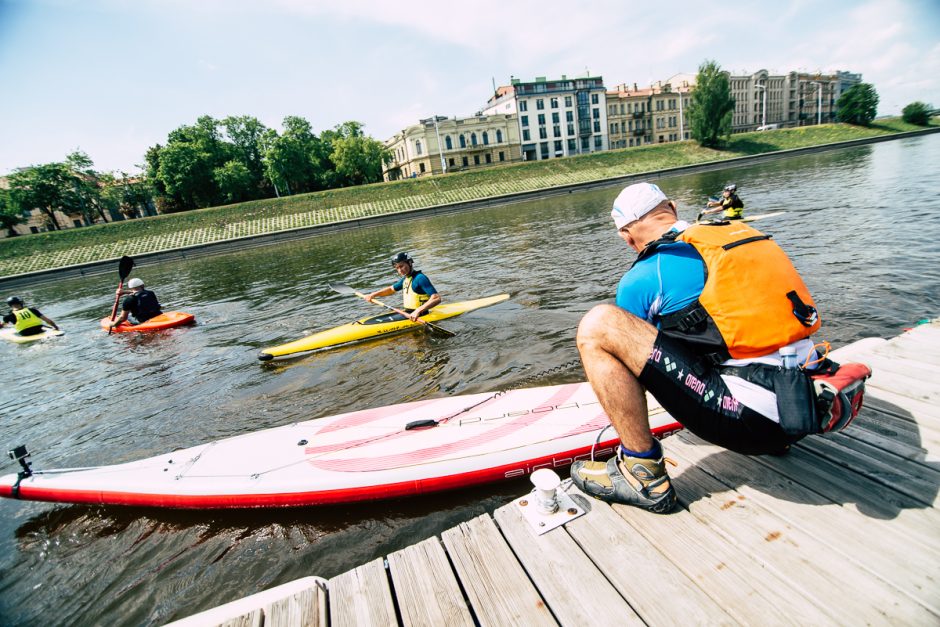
(667, 334)
(419, 295)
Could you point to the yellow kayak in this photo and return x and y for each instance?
(373, 326)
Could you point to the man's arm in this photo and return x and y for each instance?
(385, 291)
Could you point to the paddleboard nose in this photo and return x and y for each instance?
(265, 356)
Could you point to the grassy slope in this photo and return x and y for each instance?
(521, 176)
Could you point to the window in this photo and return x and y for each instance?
(421, 167)
(451, 162)
(523, 106)
(597, 126)
(418, 147)
(596, 114)
(558, 147)
(567, 101)
(555, 118)
(621, 109)
(612, 110)
(543, 134)
(525, 135)
(463, 141)
(593, 98)
(585, 145)
(473, 139)
(556, 131)
(449, 144)
(598, 142)
(499, 136)
(476, 159)
(465, 162)
(544, 149)
(572, 146)
(525, 120)
(631, 142)
(489, 158)
(502, 155)
(569, 116)
(554, 102)
(541, 118)
(486, 138)
(540, 104)
(571, 129)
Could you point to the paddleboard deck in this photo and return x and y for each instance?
(166, 320)
(11, 335)
(357, 456)
(372, 326)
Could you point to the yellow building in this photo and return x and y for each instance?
(629, 118)
(439, 145)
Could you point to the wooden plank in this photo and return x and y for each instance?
(807, 561)
(658, 591)
(908, 346)
(918, 481)
(895, 436)
(575, 590)
(499, 590)
(255, 618)
(361, 596)
(749, 593)
(904, 366)
(880, 547)
(426, 587)
(306, 608)
(925, 392)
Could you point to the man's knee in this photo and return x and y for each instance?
(596, 323)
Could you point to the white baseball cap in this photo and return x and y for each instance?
(135, 283)
(634, 202)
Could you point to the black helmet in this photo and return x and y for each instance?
(14, 300)
(401, 258)
(731, 187)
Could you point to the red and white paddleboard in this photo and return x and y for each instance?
(357, 456)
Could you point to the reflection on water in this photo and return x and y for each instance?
(861, 224)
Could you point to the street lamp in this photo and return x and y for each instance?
(440, 148)
(763, 88)
(818, 101)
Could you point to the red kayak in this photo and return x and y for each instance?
(166, 320)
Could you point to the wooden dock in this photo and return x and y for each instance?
(842, 530)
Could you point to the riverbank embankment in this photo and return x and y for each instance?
(92, 250)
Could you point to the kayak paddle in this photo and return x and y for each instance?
(124, 269)
(342, 288)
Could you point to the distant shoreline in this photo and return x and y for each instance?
(231, 244)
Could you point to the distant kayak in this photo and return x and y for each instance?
(760, 216)
(166, 320)
(11, 335)
(373, 326)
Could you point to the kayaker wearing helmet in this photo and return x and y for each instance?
(26, 320)
(730, 203)
(419, 295)
(140, 303)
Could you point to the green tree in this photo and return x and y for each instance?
(86, 187)
(187, 174)
(358, 158)
(47, 187)
(236, 183)
(136, 195)
(247, 136)
(711, 106)
(10, 213)
(292, 159)
(916, 113)
(858, 105)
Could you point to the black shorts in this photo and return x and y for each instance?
(704, 405)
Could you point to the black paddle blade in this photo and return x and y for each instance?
(125, 266)
(434, 329)
(341, 288)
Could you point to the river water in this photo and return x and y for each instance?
(862, 225)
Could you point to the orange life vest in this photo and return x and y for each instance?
(753, 302)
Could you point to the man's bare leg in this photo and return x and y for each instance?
(615, 346)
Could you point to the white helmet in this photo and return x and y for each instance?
(135, 283)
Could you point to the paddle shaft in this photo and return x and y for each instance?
(430, 325)
(124, 268)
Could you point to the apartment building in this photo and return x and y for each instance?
(792, 99)
(669, 106)
(439, 145)
(629, 116)
(556, 118)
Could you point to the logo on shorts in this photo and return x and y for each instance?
(656, 355)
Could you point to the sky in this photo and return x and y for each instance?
(114, 77)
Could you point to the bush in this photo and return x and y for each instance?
(916, 113)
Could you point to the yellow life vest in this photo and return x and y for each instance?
(25, 319)
(753, 302)
(731, 212)
(412, 300)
